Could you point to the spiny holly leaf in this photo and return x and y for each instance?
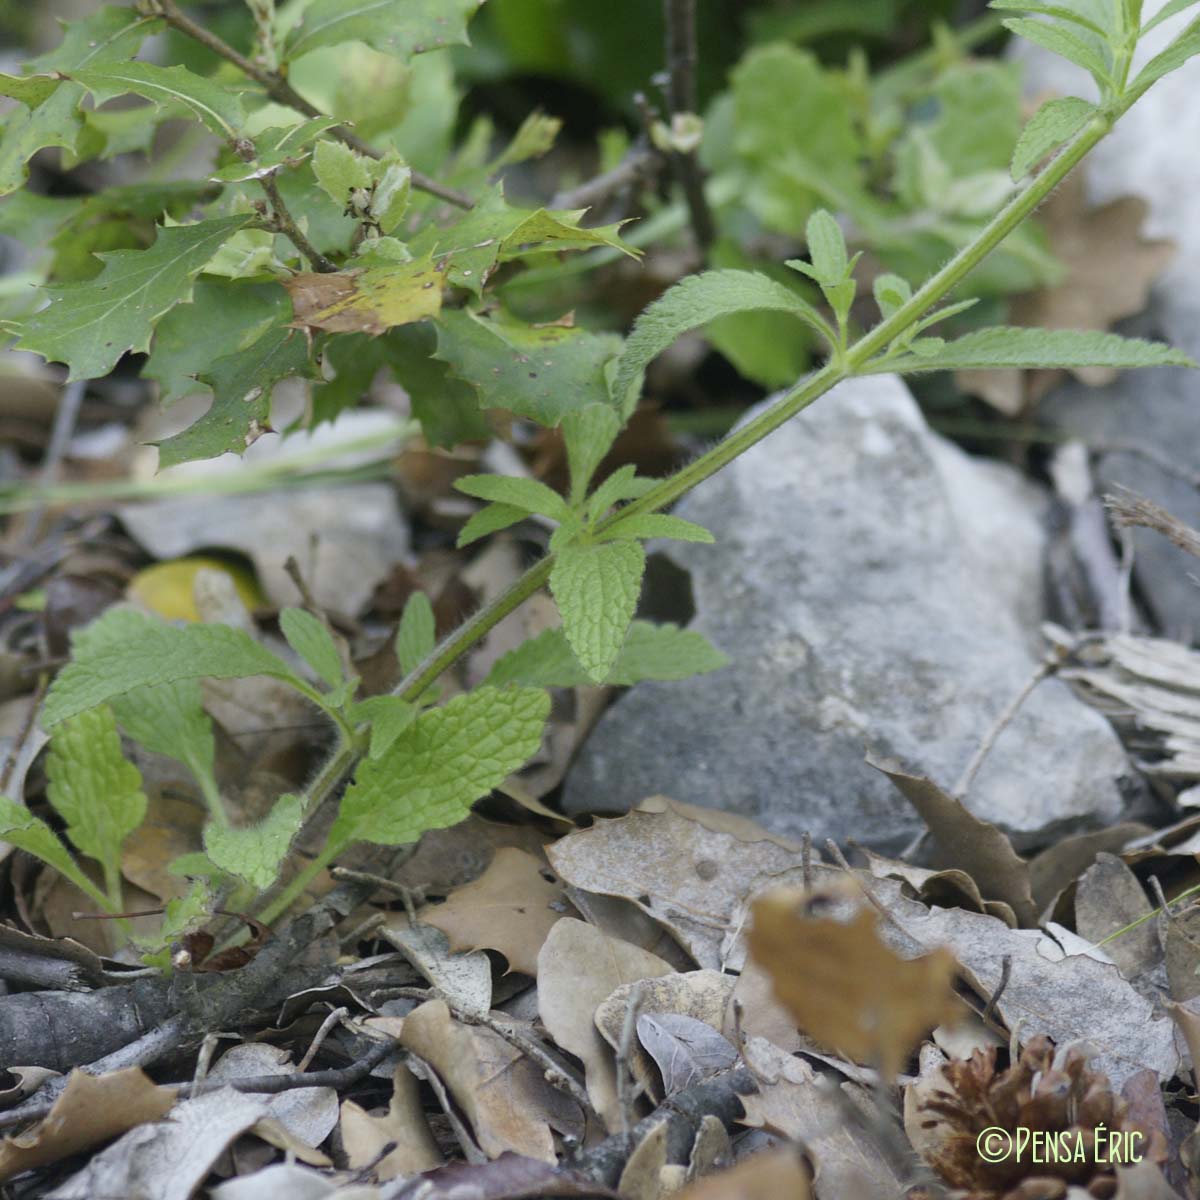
(539, 372)
(20, 828)
(596, 589)
(367, 299)
(398, 27)
(241, 384)
(440, 765)
(93, 787)
(661, 525)
(1054, 123)
(214, 106)
(1035, 348)
(313, 642)
(235, 316)
(54, 122)
(530, 494)
(694, 302)
(663, 652)
(169, 718)
(255, 852)
(91, 325)
(124, 650)
(417, 633)
(276, 146)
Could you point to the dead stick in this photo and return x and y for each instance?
(680, 18)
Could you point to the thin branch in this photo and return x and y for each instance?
(680, 17)
(285, 223)
(1132, 509)
(640, 165)
(282, 92)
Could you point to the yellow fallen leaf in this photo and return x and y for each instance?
(168, 588)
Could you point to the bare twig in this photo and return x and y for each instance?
(470, 1148)
(640, 165)
(1132, 509)
(23, 734)
(335, 1017)
(285, 223)
(65, 418)
(994, 999)
(680, 16)
(1046, 667)
(282, 92)
(626, 1089)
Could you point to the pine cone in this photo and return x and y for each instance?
(1024, 1117)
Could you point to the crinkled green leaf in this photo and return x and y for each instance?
(694, 302)
(417, 634)
(489, 519)
(530, 494)
(440, 765)
(891, 293)
(339, 170)
(1042, 348)
(256, 852)
(111, 34)
(91, 325)
(663, 652)
(1185, 46)
(398, 27)
(20, 828)
(123, 650)
(54, 122)
(389, 717)
(92, 786)
(588, 433)
(596, 589)
(1062, 42)
(169, 718)
(534, 137)
(662, 525)
(623, 484)
(241, 385)
(313, 642)
(539, 372)
(1054, 123)
(214, 105)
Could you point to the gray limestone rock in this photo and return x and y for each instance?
(874, 587)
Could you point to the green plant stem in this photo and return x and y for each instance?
(297, 887)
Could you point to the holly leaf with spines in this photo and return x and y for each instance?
(433, 772)
(417, 632)
(90, 326)
(491, 518)
(20, 828)
(255, 853)
(93, 787)
(596, 589)
(529, 494)
(1005, 346)
(169, 718)
(537, 371)
(313, 642)
(1057, 121)
(659, 652)
(397, 27)
(214, 106)
(124, 650)
(241, 384)
(692, 303)
(660, 525)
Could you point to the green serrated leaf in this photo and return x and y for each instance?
(169, 718)
(91, 325)
(623, 484)
(1062, 42)
(1054, 123)
(275, 146)
(440, 765)
(313, 642)
(534, 137)
(1042, 348)
(528, 494)
(124, 650)
(596, 589)
(660, 525)
(20, 828)
(826, 248)
(694, 302)
(55, 122)
(588, 433)
(539, 372)
(339, 170)
(662, 652)
(489, 519)
(389, 717)
(215, 106)
(255, 853)
(1184, 47)
(94, 788)
(241, 384)
(397, 27)
(1059, 12)
(417, 634)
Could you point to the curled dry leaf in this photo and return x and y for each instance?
(510, 908)
(686, 1050)
(642, 1177)
(465, 977)
(767, 1176)
(403, 1127)
(1108, 898)
(500, 1092)
(93, 1109)
(847, 988)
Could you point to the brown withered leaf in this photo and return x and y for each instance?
(498, 1090)
(403, 1126)
(845, 987)
(366, 299)
(767, 1176)
(1108, 270)
(967, 842)
(91, 1110)
(510, 908)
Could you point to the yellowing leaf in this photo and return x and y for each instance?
(168, 588)
(367, 299)
(845, 987)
